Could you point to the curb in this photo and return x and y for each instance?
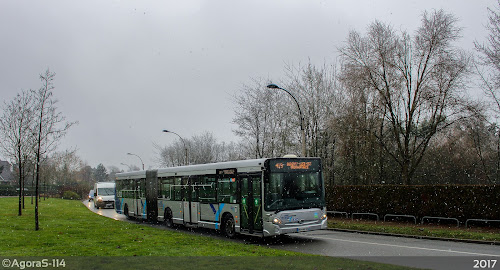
(470, 241)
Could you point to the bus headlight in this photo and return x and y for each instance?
(276, 221)
(99, 199)
(323, 217)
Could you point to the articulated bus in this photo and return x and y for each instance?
(262, 197)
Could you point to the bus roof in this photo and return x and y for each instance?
(250, 165)
(210, 168)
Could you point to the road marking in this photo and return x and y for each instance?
(409, 247)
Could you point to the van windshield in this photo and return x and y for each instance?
(105, 191)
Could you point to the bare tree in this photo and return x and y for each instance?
(488, 69)
(202, 149)
(50, 127)
(316, 91)
(16, 139)
(171, 155)
(85, 175)
(417, 81)
(490, 54)
(266, 121)
(232, 151)
(113, 170)
(131, 168)
(61, 168)
(360, 156)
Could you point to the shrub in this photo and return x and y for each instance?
(71, 195)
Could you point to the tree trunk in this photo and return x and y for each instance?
(20, 190)
(405, 173)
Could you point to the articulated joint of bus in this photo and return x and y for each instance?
(294, 221)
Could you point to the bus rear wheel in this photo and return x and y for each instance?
(169, 221)
(228, 226)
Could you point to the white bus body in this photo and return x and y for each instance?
(263, 197)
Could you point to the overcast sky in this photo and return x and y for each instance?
(126, 70)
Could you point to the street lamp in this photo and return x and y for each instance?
(129, 168)
(183, 142)
(130, 154)
(274, 86)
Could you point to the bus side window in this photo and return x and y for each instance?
(166, 184)
(177, 189)
(160, 187)
(256, 186)
(119, 188)
(142, 188)
(186, 193)
(195, 184)
(130, 189)
(207, 190)
(227, 190)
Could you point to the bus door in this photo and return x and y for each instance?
(177, 194)
(195, 182)
(251, 203)
(208, 198)
(135, 197)
(141, 200)
(186, 198)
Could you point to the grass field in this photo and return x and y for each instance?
(68, 228)
(481, 234)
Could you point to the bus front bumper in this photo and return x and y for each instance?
(271, 229)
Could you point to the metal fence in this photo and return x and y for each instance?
(413, 218)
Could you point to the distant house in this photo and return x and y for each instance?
(6, 176)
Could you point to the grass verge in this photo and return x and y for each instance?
(481, 234)
(68, 228)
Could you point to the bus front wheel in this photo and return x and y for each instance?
(228, 226)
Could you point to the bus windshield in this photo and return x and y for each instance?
(293, 189)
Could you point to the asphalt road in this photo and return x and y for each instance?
(420, 253)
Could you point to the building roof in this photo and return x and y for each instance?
(6, 175)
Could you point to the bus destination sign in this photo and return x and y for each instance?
(226, 171)
(293, 165)
(287, 165)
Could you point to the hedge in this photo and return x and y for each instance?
(9, 190)
(14, 191)
(453, 201)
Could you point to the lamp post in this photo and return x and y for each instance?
(129, 168)
(274, 86)
(183, 142)
(130, 154)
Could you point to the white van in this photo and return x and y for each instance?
(104, 195)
